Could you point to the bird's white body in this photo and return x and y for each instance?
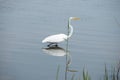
(54, 39)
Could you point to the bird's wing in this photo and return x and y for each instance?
(55, 38)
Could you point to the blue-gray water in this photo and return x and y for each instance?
(25, 23)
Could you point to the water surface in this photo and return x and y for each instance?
(25, 23)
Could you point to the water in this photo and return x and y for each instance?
(25, 23)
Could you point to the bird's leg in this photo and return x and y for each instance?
(49, 45)
(53, 45)
(56, 45)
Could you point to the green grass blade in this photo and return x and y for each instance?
(106, 74)
(57, 74)
(73, 76)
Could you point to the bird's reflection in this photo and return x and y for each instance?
(59, 52)
(55, 51)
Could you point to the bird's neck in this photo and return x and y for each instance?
(70, 29)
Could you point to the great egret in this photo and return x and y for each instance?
(57, 38)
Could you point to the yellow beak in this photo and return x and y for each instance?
(75, 18)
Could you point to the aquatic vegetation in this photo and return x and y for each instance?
(73, 76)
(86, 75)
(106, 74)
(114, 75)
(57, 74)
(118, 71)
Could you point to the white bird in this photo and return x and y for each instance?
(57, 38)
